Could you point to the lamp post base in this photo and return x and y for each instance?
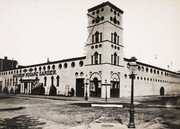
(131, 125)
(131, 120)
(86, 98)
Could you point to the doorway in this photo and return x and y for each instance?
(80, 87)
(162, 91)
(95, 88)
(115, 89)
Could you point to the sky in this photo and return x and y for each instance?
(33, 30)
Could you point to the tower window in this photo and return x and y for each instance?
(92, 38)
(97, 37)
(72, 64)
(65, 65)
(91, 59)
(100, 58)
(81, 63)
(115, 59)
(53, 67)
(96, 58)
(114, 38)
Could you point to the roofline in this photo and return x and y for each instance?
(104, 4)
(126, 59)
(58, 61)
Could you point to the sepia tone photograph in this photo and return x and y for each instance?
(89, 64)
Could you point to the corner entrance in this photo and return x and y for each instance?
(115, 85)
(80, 87)
(95, 85)
(114, 89)
(95, 88)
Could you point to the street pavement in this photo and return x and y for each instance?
(96, 124)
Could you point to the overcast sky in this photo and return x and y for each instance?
(32, 30)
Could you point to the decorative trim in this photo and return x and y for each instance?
(140, 63)
(105, 22)
(103, 42)
(104, 4)
(103, 64)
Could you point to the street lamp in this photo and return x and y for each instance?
(106, 90)
(86, 84)
(132, 66)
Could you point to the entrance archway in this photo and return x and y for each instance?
(115, 85)
(95, 85)
(162, 91)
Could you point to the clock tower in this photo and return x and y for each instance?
(104, 48)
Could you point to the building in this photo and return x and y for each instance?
(103, 67)
(6, 64)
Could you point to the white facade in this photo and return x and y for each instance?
(103, 65)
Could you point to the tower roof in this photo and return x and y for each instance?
(104, 4)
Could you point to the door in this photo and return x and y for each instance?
(162, 91)
(25, 87)
(80, 87)
(114, 89)
(95, 88)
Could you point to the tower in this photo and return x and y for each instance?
(104, 48)
(105, 35)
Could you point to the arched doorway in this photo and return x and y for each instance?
(115, 85)
(162, 91)
(95, 85)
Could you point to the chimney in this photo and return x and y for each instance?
(5, 57)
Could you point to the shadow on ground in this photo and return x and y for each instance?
(21, 122)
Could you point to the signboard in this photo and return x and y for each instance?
(32, 74)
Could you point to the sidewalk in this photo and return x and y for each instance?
(101, 126)
(90, 99)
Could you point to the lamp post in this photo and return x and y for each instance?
(106, 89)
(132, 66)
(86, 84)
(15, 90)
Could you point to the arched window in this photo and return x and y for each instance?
(115, 35)
(114, 38)
(45, 80)
(96, 58)
(57, 80)
(115, 59)
(52, 81)
(97, 37)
